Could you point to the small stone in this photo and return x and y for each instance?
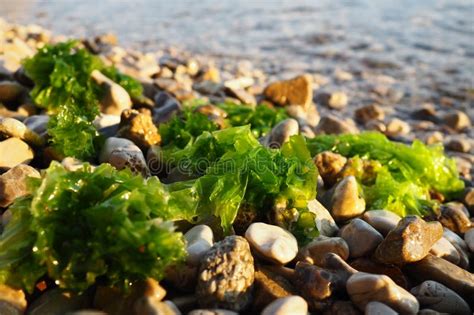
(211, 74)
(239, 83)
(433, 137)
(226, 275)
(455, 217)
(282, 132)
(457, 120)
(272, 242)
(37, 123)
(459, 145)
(346, 202)
(11, 91)
(382, 220)
(199, 240)
(105, 120)
(165, 112)
(426, 112)
(331, 124)
(150, 306)
(315, 251)
(342, 75)
(361, 237)
(444, 249)
(294, 305)
(376, 125)
(242, 95)
(469, 239)
(12, 302)
(410, 241)
(368, 265)
(57, 301)
(13, 183)
(14, 151)
(214, 113)
(122, 153)
(297, 91)
(468, 199)
(269, 286)
(139, 128)
(364, 288)
(339, 307)
(324, 221)
(434, 295)
(116, 98)
(214, 311)
(334, 100)
(368, 113)
(329, 165)
(377, 308)
(397, 127)
(13, 128)
(440, 270)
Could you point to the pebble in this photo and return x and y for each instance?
(397, 127)
(57, 301)
(116, 98)
(331, 124)
(155, 307)
(433, 137)
(410, 241)
(123, 153)
(226, 275)
(361, 237)
(105, 120)
(469, 239)
(11, 127)
(12, 302)
(382, 220)
(38, 124)
(335, 100)
(368, 113)
(215, 311)
(294, 305)
(346, 202)
(13, 183)
(139, 128)
(324, 221)
(377, 308)
(457, 120)
(269, 286)
(440, 270)
(282, 132)
(468, 199)
(164, 113)
(455, 217)
(435, 296)
(199, 239)
(339, 307)
(459, 145)
(444, 249)
(369, 265)
(364, 288)
(329, 165)
(14, 151)
(427, 112)
(272, 242)
(242, 95)
(11, 91)
(315, 251)
(297, 91)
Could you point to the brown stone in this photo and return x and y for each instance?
(269, 286)
(410, 241)
(455, 217)
(315, 251)
(392, 271)
(12, 302)
(331, 124)
(329, 165)
(139, 128)
(368, 113)
(440, 270)
(13, 184)
(14, 151)
(297, 91)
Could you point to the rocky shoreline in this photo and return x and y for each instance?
(363, 261)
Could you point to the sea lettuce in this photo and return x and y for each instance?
(77, 227)
(63, 86)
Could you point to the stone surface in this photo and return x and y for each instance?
(10, 127)
(199, 240)
(13, 183)
(106, 120)
(435, 296)
(294, 305)
(329, 165)
(269, 286)
(331, 124)
(324, 221)
(272, 242)
(37, 124)
(315, 251)
(469, 239)
(397, 127)
(361, 238)
(116, 98)
(457, 120)
(226, 275)
(12, 302)
(14, 151)
(11, 91)
(364, 288)
(377, 308)
(455, 217)
(410, 241)
(59, 302)
(215, 311)
(458, 144)
(369, 112)
(382, 220)
(297, 91)
(366, 264)
(346, 202)
(122, 153)
(138, 128)
(444, 249)
(282, 132)
(334, 100)
(440, 270)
